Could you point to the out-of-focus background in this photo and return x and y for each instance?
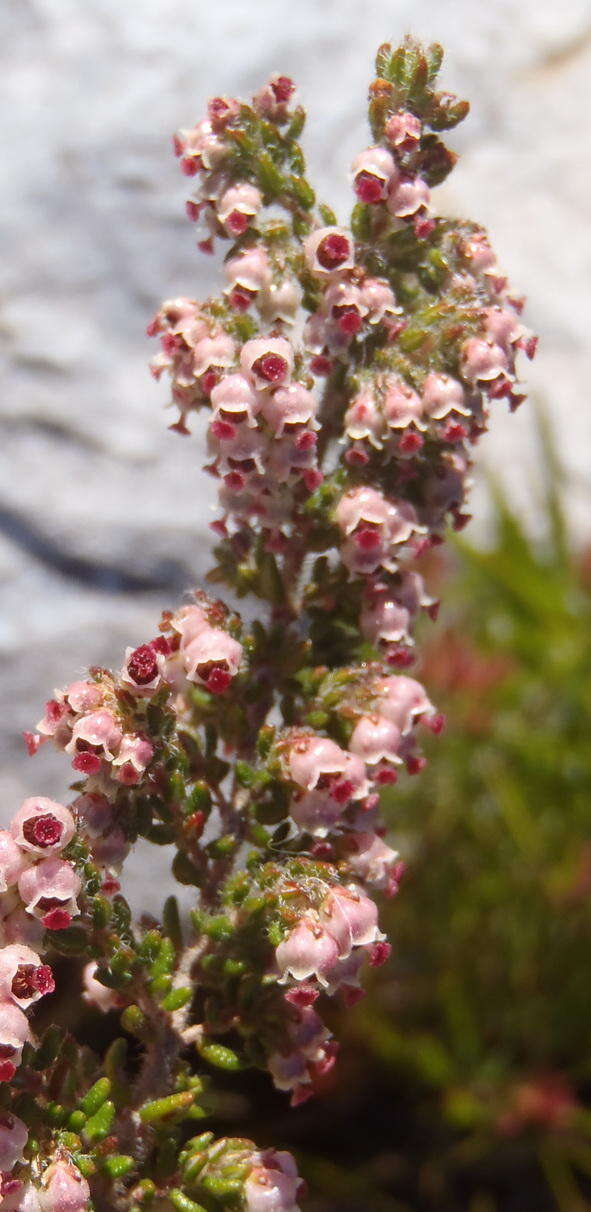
(467, 1080)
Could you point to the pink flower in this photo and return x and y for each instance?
(19, 1198)
(64, 1189)
(100, 733)
(307, 1048)
(54, 722)
(12, 860)
(403, 131)
(241, 452)
(200, 148)
(268, 360)
(317, 812)
(234, 399)
(403, 701)
(482, 361)
(479, 253)
(317, 762)
(49, 891)
(361, 505)
(364, 420)
(346, 308)
(344, 976)
(221, 111)
(272, 101)
(83, 696)
(443, 395)
(503, 326)
(288, 406)
(42, 826)
(408, 196)
(250, 270)
(213, 353)
(329, 251)
(135, 754)
(213, 658)
(375, 528)
(142, 671)
(402, 405)
(189, 622)
(14, 1034)
(281, 300)
(374, 861)
(238, 206)
(384, 618)
(13, 1139)
(19, 927)
(376, 739)
(378, 298)
(373, 171)
(309, 950)
(351, 918)
(273, 1184)
(23, 978)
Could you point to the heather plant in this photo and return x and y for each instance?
(346, 372)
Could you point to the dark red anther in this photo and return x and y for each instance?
(369, 189)
(282, 88)
(43, 830)
(272, 367)
(333, 250)
(142, 665)
(380, 953)
(86, 762)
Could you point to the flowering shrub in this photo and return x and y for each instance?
(347, 371)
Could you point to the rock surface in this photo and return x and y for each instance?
(102, 511)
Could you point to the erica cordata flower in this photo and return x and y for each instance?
(42, 826)
(346, 372)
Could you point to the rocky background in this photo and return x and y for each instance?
(103, 513)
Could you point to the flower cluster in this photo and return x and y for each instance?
(345, 372)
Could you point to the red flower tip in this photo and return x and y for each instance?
(333, 251)
(86, 763)
(282, 88)
(410, 442)
(142, 665)
(32, 741)
(368, 188)
(218, 680)
(43, 830)
(380, 953)
(271, 367)
(57, 919)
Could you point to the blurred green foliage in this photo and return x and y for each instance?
(470, 1083)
